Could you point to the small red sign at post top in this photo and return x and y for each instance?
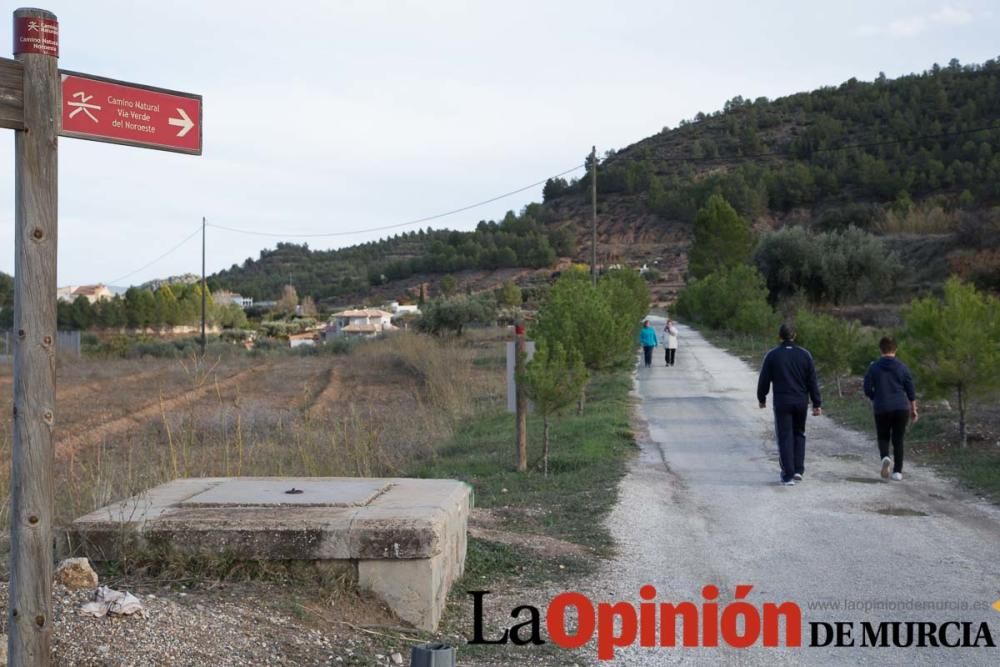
(36, 35)
(127, 113)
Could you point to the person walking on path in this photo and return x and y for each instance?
(789, 369)
(670, 349)
(889, 385)
(647, 338)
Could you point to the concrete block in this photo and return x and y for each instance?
(405, 538)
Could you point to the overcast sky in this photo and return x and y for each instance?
(346, 115)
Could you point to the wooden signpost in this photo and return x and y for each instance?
(41, 103)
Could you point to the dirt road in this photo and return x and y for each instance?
(701, 505)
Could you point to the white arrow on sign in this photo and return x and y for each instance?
(184, 122)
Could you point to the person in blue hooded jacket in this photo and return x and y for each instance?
(889, 385)
(647, 338)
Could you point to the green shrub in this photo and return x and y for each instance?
(862, 216)
(455, 313)
(733, 300)
(831, 267)
(598, 324)
(831, 340)
(955, 340)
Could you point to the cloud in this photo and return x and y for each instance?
(912, 26)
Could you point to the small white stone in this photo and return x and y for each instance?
(397, 658)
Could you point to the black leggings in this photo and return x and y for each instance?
(670, 353)
(647, 352)
(892, 426)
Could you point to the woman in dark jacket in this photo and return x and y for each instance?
(889, 385)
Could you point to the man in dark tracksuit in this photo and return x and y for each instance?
(791, 371)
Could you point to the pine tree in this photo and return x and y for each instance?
(955, 340)
(721, 238)
(553, 379)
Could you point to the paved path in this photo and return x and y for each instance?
(701, 505)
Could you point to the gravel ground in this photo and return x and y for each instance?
(229, 626)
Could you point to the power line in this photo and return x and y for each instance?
(150, 263)
(401, 224)
(359, 231)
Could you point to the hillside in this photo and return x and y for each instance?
(886, 155)
(349, 273)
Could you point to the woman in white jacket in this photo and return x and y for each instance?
(670, 333)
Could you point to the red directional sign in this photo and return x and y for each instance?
(128, 113)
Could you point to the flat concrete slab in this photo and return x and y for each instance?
(303, 493)
(406, 538)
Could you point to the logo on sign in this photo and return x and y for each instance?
(83, 105)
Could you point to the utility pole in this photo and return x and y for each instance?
(204, 288)
(593, 200)
(520, 398)
(29, 606)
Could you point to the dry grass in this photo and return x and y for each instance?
(921, 219)
(133, 425)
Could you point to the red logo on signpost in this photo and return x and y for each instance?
(127, 113)
(36, 35)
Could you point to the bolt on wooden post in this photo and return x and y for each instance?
(29, 615)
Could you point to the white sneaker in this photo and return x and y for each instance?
(789, 482)
(897, 477)
(886, 464)
(797, 477)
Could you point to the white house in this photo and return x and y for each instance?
(362, 322)
(225, 298)
(304, 338)
(93, 293)
(398, 309)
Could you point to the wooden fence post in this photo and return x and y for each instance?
(521, 398)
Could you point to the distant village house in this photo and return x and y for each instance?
(225, 298)
(93, 293)
(362, 322)
(400, 309)
(304, 338)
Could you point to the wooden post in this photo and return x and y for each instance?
(29, 615)
(520, 398)
(204, 288)
(593, 201)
